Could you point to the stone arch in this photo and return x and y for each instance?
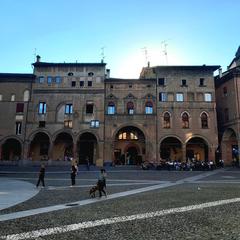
(11, 149)
(229, 147)
(39, 146)
(171, 148)
(62, 148)
(197, 148)
(129, 145)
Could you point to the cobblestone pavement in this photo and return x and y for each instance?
(129, 216)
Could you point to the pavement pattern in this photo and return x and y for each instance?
(140, 205)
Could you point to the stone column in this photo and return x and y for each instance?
(184, 147)
(0, 151)
(75, 153)
(211, 152)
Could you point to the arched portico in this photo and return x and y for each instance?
(87, 147)
(62, 147)
(229, 147)
(171, 148)
(129, 146)
(11, 150)
(39, 147)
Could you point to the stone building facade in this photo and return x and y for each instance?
(227, 86)
(76, 111)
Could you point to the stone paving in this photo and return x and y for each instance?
(170, 190)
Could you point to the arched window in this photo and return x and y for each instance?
(149, 108)
(13, 97)
(111, 108)
(26, 96)
(166, 120)
(130, 108)
(185, 120)
(204, 120)
(128, 136)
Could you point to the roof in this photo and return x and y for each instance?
(47, 64)
(125, 80)
(188, 67)
(16, 77)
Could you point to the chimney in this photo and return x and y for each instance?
(107, 73)
(220, 72)
(38, 58)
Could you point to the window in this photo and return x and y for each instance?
(207, 97)
(130, 86)
(161, 81)
(73, 83)
(26, 95)
(184, 82)
(20, 108)
(70, 74)
(204, 120)
(18, 128)
(41, 124)
(128, 136)
(185, 120)
(41, 79)
(1, 97)
(149, 108)
(90, 74)
(111, 86)
(49, 80)
(225, 91)
(111, 108)
(94, 124)
(58, 80)
(42, 108)
(190, 96)
(68, 109)
(81, 83)
(166, 120)
(130, 108)
(201, 82)
(13, 97)
(68, 123)
(162, 97)
(179, 97)
(89, 108)
(89, 84)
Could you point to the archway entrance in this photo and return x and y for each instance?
(63, 147)
(171, 149)
(11, 150)
(229, 147)
(129, 146)
(197, 149)
(39, 147)
(87, 148)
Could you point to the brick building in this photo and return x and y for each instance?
(228, 110)
(75, 110)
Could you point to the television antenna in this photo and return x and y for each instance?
(164, 45)
(102, 54)
(145, 51)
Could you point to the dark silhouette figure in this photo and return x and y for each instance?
(102, 182)
(73, 174)
(41, 176)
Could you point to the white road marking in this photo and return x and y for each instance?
(32, 212)
(114, 220)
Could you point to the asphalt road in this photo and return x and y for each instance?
(140, 205)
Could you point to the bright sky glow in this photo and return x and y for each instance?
(196, 32)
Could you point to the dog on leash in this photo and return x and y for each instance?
(92, 191)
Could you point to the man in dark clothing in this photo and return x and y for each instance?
(73, 174)
(102, 182)
(41, 176)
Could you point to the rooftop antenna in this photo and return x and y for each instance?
(164, 47)
(102, 54)
(146, 55)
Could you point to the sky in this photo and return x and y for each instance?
(128, 33)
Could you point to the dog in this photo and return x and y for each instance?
(92, 191)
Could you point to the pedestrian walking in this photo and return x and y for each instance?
(41, 176)
(102, 182)
(74, 170)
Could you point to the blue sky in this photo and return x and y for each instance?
(195, 33)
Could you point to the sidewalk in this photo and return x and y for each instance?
(13, 192)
